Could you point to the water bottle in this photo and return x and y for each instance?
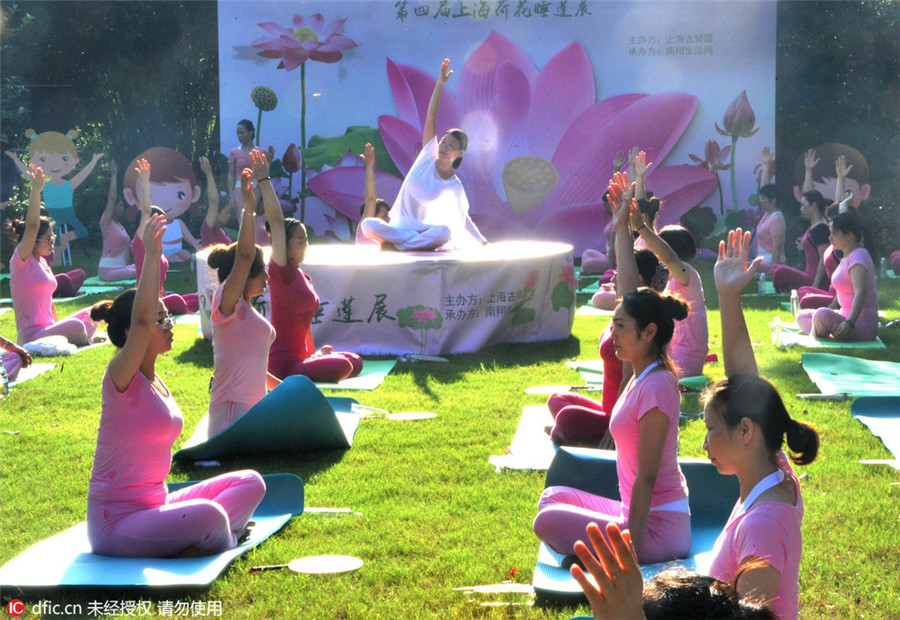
(795, 302)
(762, 284)
(883, 268)
(4, 382)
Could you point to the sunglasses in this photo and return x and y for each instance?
(166, 323)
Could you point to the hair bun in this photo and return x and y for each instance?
(677, 307)
(215, 258)
(100, 311)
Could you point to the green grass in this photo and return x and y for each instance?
(434, 514)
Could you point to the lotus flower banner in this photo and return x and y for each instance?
(547, 103)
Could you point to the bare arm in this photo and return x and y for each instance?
(841, 170)
(274, 214)
(429, 131)
(127, 362)
(79, 178)
(821, 274)
(245, 252)
(765, 177)
(33, 214)
(654, 426)
(640, 171)
(143, 170)
(12, 347)
(677, 268)
(371, 194)
(187, 234)
(212, 194)
(107, 215)
(627, 277)
(759, 582)
(809, 162)
(732, 274)
(18, 162)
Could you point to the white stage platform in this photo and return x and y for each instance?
(435, 303)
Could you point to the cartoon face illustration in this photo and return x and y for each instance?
(173, 198)
(173, 184)
(55, 165)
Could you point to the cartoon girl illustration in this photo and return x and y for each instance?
(56, 154)
(173, 188)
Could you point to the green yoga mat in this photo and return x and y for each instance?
(372, 375)
(66, 561)
(835, 374)
(791, 335)
(96, 281)
(881, 414)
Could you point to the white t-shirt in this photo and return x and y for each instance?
(425, 199)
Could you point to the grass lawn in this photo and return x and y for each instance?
(435, 515)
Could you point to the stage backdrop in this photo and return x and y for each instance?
(548, 91)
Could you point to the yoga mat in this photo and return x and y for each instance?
(30, 373)
(65, 560)
(531, 447)
(841, 373)
(791, 335)
(96, 281)
(187, 319)
(372, 375)
(293, 418)
(86, 290)
(712, 497)
(881, 414)
(589, 310)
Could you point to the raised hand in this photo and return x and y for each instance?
(732, 273)
(767, 155)
(153, 236)
(368, 156)
(204, 165)
(841, 169)
(634, 214)
(113, 167)
(143, 170)
(36, 176)
(446, 72)
(640, 164)
(810, 160)
(259, 165)
(247, 188)
(614, 586)
(618, 160)
(632, 156)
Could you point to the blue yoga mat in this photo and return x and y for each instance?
(65, 560)
(372, 375)
(293, 418)
(835, 374)
(881, 414)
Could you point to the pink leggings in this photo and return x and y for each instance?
(564, 513)
(812, 298)
(594, 263)
(605, 298)
(67, 284)
(329, 368)
(787, 278)
(12, 364)
(207, 515)
(181, 304)
(578, 420)
(822, 322)
(77, 328)
(117, 274)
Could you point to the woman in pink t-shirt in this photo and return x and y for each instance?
(116, 243)
(31, 280)
(294, 302)
(746, 423)
(211, 231)
(771, 229)
(853, 314)
(130, 512)
(241, 335)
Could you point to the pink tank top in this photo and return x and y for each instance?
(115, 243)
(137, 248)
(31, 284)
(690, 342)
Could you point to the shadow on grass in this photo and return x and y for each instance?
(303, 465)
(198, 354)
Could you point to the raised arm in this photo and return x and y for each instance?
(143, 170)
(12, 347)
(212, 193)
(79, 178)
(371, 194)
(245, 251)
(33, 214)
(654, 426)
(809, 162)
(111, 195)
(664, 252)
(732, 274)
(429, 131)
(18, 162)
(274, 214)
(765, 175)
(640, 171)
(841, 170)
(615, 587)
(627, 278)
(144, 312)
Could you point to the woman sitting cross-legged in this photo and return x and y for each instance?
(130, 512)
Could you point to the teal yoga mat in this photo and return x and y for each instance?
(96, 281)
(791, 335)
(835, 374)
(372, 375)
(66, 561)
(881, 414)
(293, 418)
(712, 497)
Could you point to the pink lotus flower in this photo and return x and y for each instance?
(531, 280)
(567, 275)
(291, 159)
(714, 157)
(308, 38)
(424, 315)
(509, 108)
(739, 118)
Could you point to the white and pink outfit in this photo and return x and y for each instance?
(564, 512)
(822, 322)
(130, 512)
(769, 531)
(771, 225)
(241, 344)
(116, 245)
(31, 284)
(241, 160)
(690, 342)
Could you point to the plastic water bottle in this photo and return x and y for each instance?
(762, 284)
(883, 268)
(795, 302)
(4, 382)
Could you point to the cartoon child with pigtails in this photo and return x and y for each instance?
(56, 155)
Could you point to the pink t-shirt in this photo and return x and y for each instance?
(31, 284)
(658, 389)
(771, 225)
(770, 531)
(137, 248)
(843, 285)
(241, 344)
(294, 304)
(690, 342)
(115, 243)
(134, 444)
(211, 236)
(241, 161)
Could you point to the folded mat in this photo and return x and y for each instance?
(592, 372)
(531, 447)
(589, 310)
(712, 497)
(790, 335)
(295, 417)
(65, 560)
(836, 374)
(30, 373)
(373, 373)
(881, 414)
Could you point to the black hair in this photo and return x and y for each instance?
(291, 226)
(815, 197)
(154, 210)
(849, 222)
(248, 125)
(649, 207)
(221, 258)
(750, 396)
(678, 593)
(463, 140)
(380, 203)
(681, 240)
(770, 191)
(652, 272)
(647, 306)
(15, 229)
(117, 315)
